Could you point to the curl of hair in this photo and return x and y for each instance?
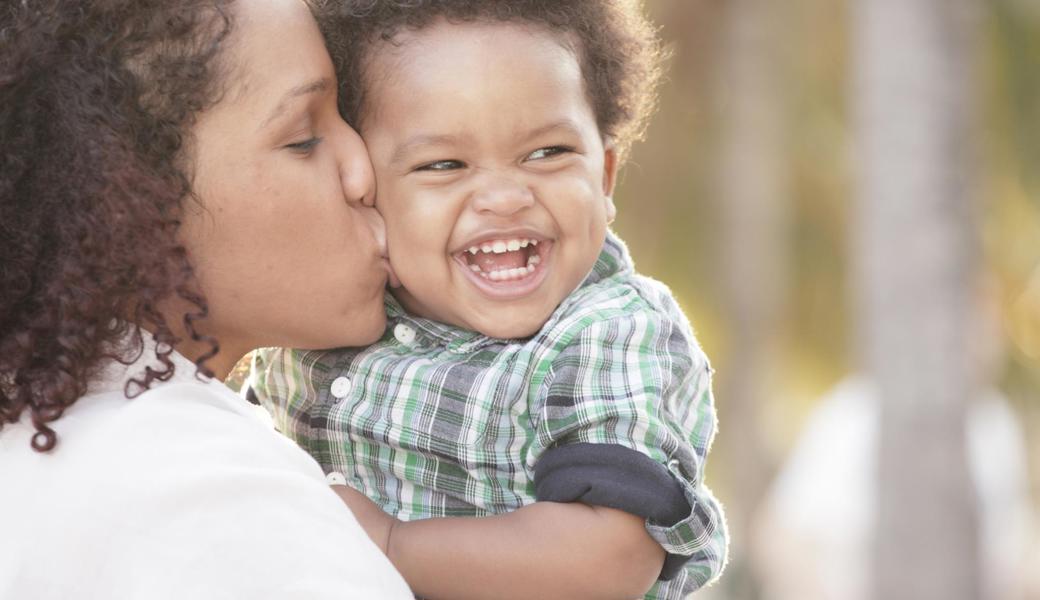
(95, 100)
(618, 49)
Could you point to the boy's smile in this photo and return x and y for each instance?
(491, 172)
(505, 265)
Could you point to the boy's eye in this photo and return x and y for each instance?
(305, 147)
(549, 152)
(440, 165)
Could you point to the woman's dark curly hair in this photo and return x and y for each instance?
(96, 97)
(618, 50)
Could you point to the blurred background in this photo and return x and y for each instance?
(844, 197)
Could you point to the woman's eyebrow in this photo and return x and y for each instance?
(312, 87)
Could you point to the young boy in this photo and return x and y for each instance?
(528, 376)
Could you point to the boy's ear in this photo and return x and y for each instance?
(610, 166)
(610, 170)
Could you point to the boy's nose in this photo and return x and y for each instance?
(502, 197)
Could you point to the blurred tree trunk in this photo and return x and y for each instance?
(753, 205)
(915, 258)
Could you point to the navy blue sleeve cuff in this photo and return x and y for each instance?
(616, 477)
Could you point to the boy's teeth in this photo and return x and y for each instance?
(502, 246)
(506, 274)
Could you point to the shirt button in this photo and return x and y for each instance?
(404, 334)
(340, 387)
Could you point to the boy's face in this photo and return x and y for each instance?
(491, 173)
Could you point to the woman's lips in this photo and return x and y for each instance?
(391, 276)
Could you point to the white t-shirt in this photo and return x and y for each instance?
(181, 493)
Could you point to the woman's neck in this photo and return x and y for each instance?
(220, 364)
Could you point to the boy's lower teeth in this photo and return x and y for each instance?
(508, 274)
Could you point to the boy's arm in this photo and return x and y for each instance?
(544, 550)
(627, 420)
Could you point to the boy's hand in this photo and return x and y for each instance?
(376, 523)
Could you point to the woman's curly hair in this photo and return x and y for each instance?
(619, 52)
(95, 100)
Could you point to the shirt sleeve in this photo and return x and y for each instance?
(627, 420)
(276, 382)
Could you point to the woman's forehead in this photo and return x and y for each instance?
(275, 52)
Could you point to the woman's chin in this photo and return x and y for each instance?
(361, 330)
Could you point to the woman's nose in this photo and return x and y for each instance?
(502, 196)
(358, 180)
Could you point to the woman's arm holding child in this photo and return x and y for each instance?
(544, 550)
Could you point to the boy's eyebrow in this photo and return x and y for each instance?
(418, 141)
(426, 139)
(569, 125)
(311, 87)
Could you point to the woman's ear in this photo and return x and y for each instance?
(610, 169)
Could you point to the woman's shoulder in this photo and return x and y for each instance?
(187, 467)
(179, 432)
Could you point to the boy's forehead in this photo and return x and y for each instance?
(471, 40)
(456, 58)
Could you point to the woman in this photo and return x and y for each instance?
(169, 172)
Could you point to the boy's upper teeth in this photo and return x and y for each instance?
(502, 246)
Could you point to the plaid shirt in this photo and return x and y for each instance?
(435, 421)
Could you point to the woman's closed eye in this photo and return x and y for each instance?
(549, 152)
(441, 165)
(305, 147)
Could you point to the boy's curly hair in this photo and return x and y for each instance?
(95, 99)
(619, 51)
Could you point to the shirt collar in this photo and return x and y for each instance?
(613, 259)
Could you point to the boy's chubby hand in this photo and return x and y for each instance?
(376, 523)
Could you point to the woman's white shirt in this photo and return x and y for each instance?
(182, 492)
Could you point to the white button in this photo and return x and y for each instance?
(404, 334)
(335, 478)
(340, 387)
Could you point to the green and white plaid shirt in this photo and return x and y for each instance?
(435, 421)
